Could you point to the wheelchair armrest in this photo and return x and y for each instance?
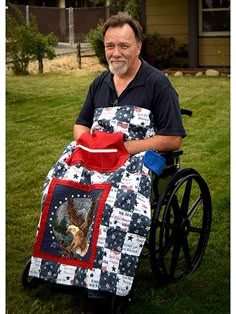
(172, 153)
(186, 112)
(171, 158)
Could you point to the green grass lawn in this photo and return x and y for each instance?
(40, 113)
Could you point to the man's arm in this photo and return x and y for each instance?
(157, 142)
(79, 129)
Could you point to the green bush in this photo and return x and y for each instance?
(19, 37)
(25, 43)
(130, 6)
(159, 51)
(43, 46)
(95, 38)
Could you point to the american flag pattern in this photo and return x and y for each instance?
(125, 219)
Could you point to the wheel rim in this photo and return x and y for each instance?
(181, 226)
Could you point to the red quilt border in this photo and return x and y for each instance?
(72, 262)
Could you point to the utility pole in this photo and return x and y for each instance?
(62, 19)
(27, 16)
(107, 5)
(71, 27)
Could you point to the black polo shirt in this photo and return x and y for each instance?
(150, 89)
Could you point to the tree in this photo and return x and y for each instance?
(130, 6)
(25, 43)
(42, 47)
(18, 42)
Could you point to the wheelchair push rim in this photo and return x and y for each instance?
(180, 226)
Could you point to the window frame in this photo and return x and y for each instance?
(200, 22)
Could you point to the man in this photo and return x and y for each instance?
(100, 188)
(132, 81)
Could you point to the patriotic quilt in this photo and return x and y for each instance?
(95, 211)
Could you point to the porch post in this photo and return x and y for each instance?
(143, 19)
(193, 33)
(62, 4)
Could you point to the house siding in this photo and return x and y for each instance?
(214, 51)
(169, 18)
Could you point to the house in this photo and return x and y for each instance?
(201, 25)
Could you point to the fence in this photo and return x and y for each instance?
(70, 25)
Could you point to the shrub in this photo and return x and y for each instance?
(18, 49)
(43, 47)
(25, 43)
(95, 38)
(159, 51)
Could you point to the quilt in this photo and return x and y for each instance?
(95, 210)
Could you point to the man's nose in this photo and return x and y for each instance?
(116, 51)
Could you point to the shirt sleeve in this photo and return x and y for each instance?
(167, 114)
(86, 114)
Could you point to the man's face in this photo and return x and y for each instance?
(122, 49)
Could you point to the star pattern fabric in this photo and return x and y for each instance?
(125, 218)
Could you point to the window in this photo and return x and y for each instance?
(214, 17)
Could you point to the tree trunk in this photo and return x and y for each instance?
(40, 66)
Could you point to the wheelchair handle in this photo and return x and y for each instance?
(186, 112)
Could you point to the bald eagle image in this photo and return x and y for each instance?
(79, 227)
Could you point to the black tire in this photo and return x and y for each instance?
(27, 281)
(119, 305)
(180, 226)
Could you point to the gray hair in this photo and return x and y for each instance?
(120, 19)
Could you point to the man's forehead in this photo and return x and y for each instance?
(123, 33)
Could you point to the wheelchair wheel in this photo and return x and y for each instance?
(27, 281)
(180, 226)
(119, 305)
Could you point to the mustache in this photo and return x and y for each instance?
(117, 59)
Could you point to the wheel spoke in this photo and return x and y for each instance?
(175, 204)
(174, 258)
(186, 197)
(167, 245)
(195, 207)
(197, 230)
(186, 251)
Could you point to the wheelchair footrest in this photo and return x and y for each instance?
(93, 294)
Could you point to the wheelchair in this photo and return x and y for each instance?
(181, 220)
(180, 227)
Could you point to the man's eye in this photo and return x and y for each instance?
(124, 46)
(109, 46)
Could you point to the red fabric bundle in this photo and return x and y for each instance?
(100, 151)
